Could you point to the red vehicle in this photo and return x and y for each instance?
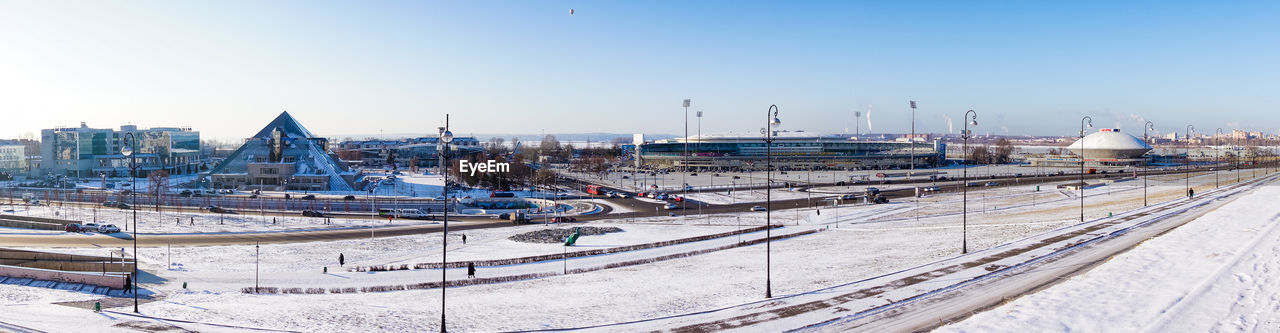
(73, 227)
(595, 190)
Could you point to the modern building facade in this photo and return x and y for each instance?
(284, 155)
(790, 150)
(85, 152)
(13, 159)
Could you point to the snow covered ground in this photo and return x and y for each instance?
(864, 241)
(1219, 273)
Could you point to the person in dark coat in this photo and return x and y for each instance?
(471, 270)
(341, 260)
(464, 239)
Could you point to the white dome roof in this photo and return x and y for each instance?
(1110, 143)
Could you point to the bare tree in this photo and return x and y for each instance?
(158, 184)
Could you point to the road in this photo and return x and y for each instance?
(123, 240)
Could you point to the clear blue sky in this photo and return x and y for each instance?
(1031, 67)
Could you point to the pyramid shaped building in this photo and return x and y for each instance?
(284, 155)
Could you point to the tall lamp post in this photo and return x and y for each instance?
(1188, 176)
(972, 116)
(772, 122)
(1083, 122)
(128, 150)
(445, 138)
(911, 142)
(685, 183)
(1217, 138)
(1149, 126)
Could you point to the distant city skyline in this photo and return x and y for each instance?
(1028, 68)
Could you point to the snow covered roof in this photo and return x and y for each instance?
(1110, 143)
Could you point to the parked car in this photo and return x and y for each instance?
(185, 193)
(670, 206)
(758, 208)
(312, 213)
(89, 227)
(108, 229)
(73, 227)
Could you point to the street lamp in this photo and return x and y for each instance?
(1189, 130)
(445, 138)
(1149, 126)
(685, 183)
(773, 122)
(1082, 125)
(972, 116)
(129, 150)
(912, 143)
(1217, 137)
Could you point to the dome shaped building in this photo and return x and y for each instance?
(1109, 143)
(1108, 148)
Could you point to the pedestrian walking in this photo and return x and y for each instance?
(341, 260)
(464, 239)
(471, 270)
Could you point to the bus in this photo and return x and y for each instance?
(404, 213)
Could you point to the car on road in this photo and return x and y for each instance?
(848, 197)
(253, 196)
(185, 193)
(108, 229)
(349, 197)
(126, 192)
(992, 184)
(623, 195)
(89, 227)
(758, 208)
(564, 219)
(932, 189)
(872, 190)
(215, 209)
(309, 197)
(123, 206)
(110, 204)
(312, 213)
(73, 227)
(670, 206)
